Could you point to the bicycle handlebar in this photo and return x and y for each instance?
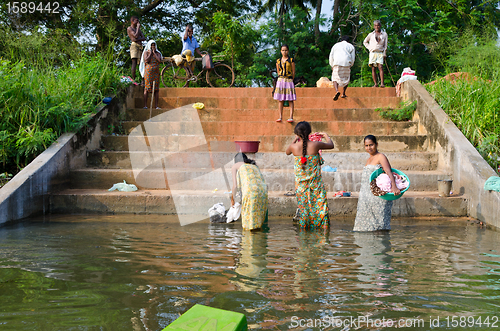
(169, 58)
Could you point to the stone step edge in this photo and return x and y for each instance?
(276, 135)
(207, 109)
(252, 154)
(221, 194)
(272, 122)
(267, 170)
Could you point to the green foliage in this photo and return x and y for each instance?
(473, 104)
(41, 100)
(404, 113)
(311, 60)
(476, 56)
(234, 39)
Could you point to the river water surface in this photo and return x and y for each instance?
(128, 272)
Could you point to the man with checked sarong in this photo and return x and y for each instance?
(341, 60)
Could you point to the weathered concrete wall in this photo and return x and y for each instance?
(26, 194)
(456, 155)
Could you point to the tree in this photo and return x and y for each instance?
(235, 39)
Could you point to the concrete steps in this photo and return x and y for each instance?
(180, 158)
(214, 114)
(423, 161)
(270, 143)
(264, 92)
(251, 103)
(163, 202)
(208, 179)
(227, 128)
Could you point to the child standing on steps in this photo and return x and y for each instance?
(285, 89)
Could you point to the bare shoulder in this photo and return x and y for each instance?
(380, 157)
(296, 148)
(236, 165)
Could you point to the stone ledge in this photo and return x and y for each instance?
(161, 202)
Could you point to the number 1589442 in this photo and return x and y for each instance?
(32, 7)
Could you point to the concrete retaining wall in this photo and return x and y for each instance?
(27, 193)
(456, 155)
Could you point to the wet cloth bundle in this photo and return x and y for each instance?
(217, 213)
(315, 137)
(233, 213)
(382, 184)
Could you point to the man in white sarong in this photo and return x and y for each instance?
(341, 60)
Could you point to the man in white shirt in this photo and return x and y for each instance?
(341, 60)
(376, 43)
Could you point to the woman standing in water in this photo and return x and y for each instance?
(248, 179)
(309, 189)
(374, 213)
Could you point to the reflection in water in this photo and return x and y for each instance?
(374, 257)
(252, 260)
(142, 272)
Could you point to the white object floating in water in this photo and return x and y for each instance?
(123, 187)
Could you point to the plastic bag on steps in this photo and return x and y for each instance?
(123, 187)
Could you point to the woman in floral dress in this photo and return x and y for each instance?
(311, 194)
(150, 70)
(248, 180)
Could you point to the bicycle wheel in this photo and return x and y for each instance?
(173, 76)
(221, 76)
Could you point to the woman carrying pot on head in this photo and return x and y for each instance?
(249, 182)
(374, 213)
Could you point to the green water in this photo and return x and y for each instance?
(142, 272)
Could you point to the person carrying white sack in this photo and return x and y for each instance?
(407, 74)
(341, 60)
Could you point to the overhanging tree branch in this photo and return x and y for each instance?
(151, 6)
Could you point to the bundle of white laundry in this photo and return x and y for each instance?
(233, 213)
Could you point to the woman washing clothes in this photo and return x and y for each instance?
(374, 213)
(248, 180)
(150, 70)
(311, 194)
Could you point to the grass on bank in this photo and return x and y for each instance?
(403, 113)
(474, 104)
(39, 102)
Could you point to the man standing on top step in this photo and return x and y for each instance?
(341, 60)
(376, 43)
(137, 37)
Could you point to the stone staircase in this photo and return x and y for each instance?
(180, 157)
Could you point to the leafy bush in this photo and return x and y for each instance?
(473, 105)
(404, 113)
(38, 104)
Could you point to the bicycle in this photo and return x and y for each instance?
(221, 75)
